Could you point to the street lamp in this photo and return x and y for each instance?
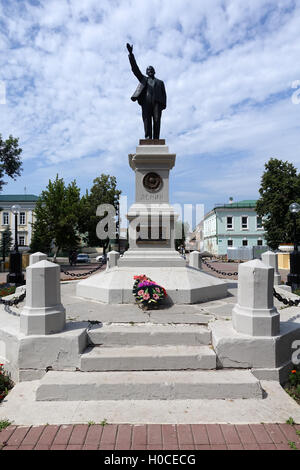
(293, 278)
(15, 275)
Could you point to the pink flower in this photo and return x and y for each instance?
(157, 289)
(155, 296)
(140, 292)
(146, 296)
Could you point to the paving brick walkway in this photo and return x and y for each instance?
(151, 437)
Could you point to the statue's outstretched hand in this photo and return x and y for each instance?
(129, 48)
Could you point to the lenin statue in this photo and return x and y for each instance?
(151, 96)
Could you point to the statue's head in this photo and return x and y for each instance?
(150, 71)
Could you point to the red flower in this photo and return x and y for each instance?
(294, 371)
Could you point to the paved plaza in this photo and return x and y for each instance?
(183, 437)
(150, 424)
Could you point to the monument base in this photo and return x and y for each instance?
(184, 284)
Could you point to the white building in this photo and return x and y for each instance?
(25, 217)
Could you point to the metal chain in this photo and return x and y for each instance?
(290, 302)
(82, 274)
(14, 301)
(217, 271)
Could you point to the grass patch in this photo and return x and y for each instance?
(4, 423)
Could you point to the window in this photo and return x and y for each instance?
(229, 223)
(5, 218)
(244, 222)
(229, 242)
(21, 240)
(259, 222)
(245, 242)
(22, 218)
(259, 242)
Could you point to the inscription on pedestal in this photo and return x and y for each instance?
(151, 197)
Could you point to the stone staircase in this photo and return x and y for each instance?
(149, 361)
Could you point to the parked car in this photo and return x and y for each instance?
(101, 259)
(83, 258)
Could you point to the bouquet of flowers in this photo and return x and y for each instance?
(146, 292)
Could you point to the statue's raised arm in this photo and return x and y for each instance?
(129, 47)
(134, 67)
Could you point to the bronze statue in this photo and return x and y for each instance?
(150, 95)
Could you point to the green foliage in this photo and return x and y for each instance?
(280, 186)
(290, 421)
(58, 214)
(4, 423)
(103, 191)
(294, 377)
(292, 445)
(6, 289)
(5, 383)
(10, 163)
(6, 242)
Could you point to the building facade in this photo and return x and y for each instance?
(232, 225)
(25, 217)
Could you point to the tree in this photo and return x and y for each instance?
(10, 163)
(280, 186)
(103, 191)
(6, 242)
(58, 214)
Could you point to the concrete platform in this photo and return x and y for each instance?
(154, 385)
(184, 285)
(21, 408)
(133, 358)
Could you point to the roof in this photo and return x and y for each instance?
(18, 198)
(246, 203)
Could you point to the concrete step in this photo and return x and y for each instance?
(148, 334)
(145, 385)
(131, 358)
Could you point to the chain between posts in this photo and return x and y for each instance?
(217, 270)
(14, 301)
(289, 302)
(81, 274)
(285, 301)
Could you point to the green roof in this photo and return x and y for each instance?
(18, 198)
(246, 203)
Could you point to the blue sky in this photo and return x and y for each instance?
(228, 67)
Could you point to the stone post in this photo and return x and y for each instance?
(269, 258)
(195, 260)
(255, 314)
(43, 313)
(112, 259)
(36, 257)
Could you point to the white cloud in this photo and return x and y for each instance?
(228, 68)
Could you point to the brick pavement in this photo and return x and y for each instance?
(151, 437)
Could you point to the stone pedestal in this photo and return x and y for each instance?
(270, 259)
(151, 217)
(152, 241)
(43, 313)
(255, 314)
(36, 257)
(195, 260)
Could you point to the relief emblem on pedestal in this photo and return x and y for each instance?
(152, 182)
